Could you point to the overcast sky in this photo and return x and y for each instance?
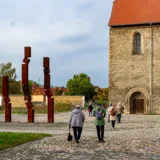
(73, 33)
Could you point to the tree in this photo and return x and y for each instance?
(105, 94)
(30, 84)
(81, 84)
(15, 87)
(102, 94)
(58, 91)
(8, 70)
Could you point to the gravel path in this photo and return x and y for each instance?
(136, 138)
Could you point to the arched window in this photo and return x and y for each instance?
(137, 43)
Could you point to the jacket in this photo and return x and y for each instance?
(119, 109)
(112, 118)
(77, 118)
(99, 122)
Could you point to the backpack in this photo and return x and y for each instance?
(113, 113)
(99, 114)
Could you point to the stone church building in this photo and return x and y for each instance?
(134, 55)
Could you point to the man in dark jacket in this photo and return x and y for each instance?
(90, 108)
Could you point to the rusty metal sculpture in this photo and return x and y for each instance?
(25, 85)
(48, 90)
(6, 99)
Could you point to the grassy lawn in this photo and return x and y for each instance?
(9, 139)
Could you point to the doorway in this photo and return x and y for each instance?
(137, 103)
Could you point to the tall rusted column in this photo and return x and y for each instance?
(6, 99)
(26, 91)
(48, 90)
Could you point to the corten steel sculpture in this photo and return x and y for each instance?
(48, 90)
(6, 99)
(26, 91)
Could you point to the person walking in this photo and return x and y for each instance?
(108, 113)
(76, 122)
(99, 113)
(120, 109)
(90, 108)
(112, 111)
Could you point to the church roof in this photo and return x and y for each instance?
(135, 12)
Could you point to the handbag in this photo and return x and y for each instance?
(70, 137)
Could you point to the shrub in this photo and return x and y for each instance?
(58, 107)
(43, 108)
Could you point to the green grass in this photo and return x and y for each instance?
(16, 111)
(9, 139)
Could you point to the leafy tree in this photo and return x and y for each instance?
(102, 94)
(30, 84)
(8, 70)
(81, 84)
(105, 94)
(58, 91)
(15, 87)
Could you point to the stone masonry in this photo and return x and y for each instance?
(130, 73)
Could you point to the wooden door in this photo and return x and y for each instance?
(141, 106)
(137, 106)
(134, 106)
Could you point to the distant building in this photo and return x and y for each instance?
(40, 90)
(134, 60)
(96, 88)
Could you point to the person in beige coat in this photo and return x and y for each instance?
(120, 109)
(112, 111)
(108, 111)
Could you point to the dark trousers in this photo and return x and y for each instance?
(108, 117)
(100, 132)
(119, 118)
(90, 113)
(113, 123)
(77, 133)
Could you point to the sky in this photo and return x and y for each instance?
(74, 34)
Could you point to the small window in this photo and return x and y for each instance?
(137, 43)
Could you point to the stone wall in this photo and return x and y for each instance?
(18, 100)
(156, 69)
(74, 100)
(128, 71)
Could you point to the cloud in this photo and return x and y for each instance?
(74, 34)
(76, 38)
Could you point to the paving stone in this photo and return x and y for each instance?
(137, 137)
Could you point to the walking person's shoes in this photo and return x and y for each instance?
(77, 141)
(102, 141)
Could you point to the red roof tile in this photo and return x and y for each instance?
(131, 12)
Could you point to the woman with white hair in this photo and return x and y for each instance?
(76, 122)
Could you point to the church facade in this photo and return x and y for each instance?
(134, 56)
